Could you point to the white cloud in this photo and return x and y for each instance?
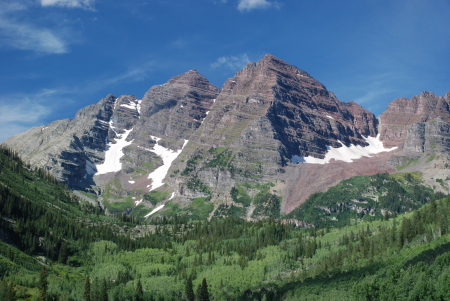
(84, 4)
(20, 112)
(135, 74)
(233, 62)
(247, 5)
(26, 36)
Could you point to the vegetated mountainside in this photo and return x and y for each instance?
(99, 257)
(365, 198)
(420, 127)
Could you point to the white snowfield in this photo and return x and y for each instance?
(168, 156)
(347, 153)
(159, 207)
(155, 210)
(113, 154)
(133, 106)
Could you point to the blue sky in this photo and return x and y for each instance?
(57, 56)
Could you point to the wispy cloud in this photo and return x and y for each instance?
(26, 36)
(133, 74)
(84, 4)
(232, 62)
(248, 5)
(19, 112)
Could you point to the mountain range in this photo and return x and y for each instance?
(258, 147)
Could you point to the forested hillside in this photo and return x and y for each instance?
(55, 246)
(365, 198)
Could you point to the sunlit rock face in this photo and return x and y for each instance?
(270, 123)
(402, 113)
(278, 109)
(111, 136)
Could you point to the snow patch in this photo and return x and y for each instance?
(113, 153)
(131, 106)
(205, 117)
(155, 210)
(328, 116)
(347, 153)
(138, 202)
(168, 156)
(138, 107)
(131, 182)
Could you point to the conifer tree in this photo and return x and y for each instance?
(87, 289)
(43, 284)
(189, 290)
(62, 258)
(202, 291)
(139, 291)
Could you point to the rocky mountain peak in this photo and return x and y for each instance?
(289, 108)
(402, 112)
(191, 77)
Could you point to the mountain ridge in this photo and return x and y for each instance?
(255, 129)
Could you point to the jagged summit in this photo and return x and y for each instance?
(301, 115)
(192, 140)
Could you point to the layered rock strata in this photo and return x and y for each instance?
(402, 113)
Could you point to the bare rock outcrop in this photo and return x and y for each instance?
(402, 113)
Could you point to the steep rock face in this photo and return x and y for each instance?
(266, 114)
(65, 147)
(176, 109)
(70, 149)
(402, 113)
(297, 113)
(428, 137)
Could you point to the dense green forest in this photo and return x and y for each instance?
(365, 198)
(55, 246)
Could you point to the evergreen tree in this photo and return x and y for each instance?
(87, 289)
(43, 284)
(202, 291)
(139, 291)
(62, 258)
(189, 290)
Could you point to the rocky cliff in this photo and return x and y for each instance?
(74, 150)
(420, 128)
(262, 144)
(402, 113)
(266, 118)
